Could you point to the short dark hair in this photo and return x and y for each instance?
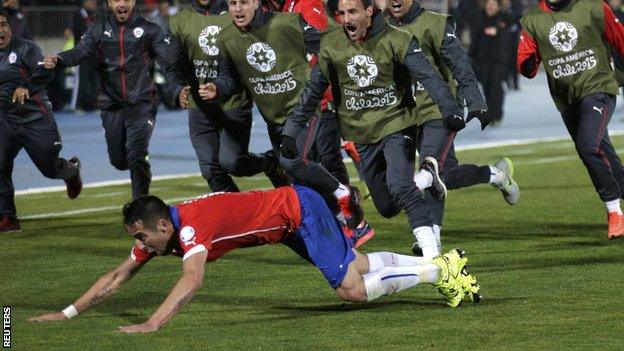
(4, 14)
(367, 3)
(147, 209)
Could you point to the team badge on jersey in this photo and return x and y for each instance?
(12, 57)
(208, 40)
(138, 31)
(187, 234)
(261, 57)
(362, 70)
(563, 36)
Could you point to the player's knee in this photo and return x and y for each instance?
(119, 163)
(49, 172)
(356, 294)
(233, 165)
(586, 149)
(388, 211)
(386, 208)
(291, 165)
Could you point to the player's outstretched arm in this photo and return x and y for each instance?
(106, 286)
(183, 291)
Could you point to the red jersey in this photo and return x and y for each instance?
(221, 222)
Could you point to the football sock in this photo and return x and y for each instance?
(423, 179)
(426, 241)
(389, 280)
(341, 191)
(613, 206)
(496, 175)
(380, 260)
(436, 233)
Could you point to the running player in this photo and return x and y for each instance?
(125, 45)
(372, 67)
(26, 121)
(574, 39)
(436, 35)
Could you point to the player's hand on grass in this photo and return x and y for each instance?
(482, 115)
(208, 91)
(50, 62)
(48, 317)
(138, 328)
(20, 95)
(289, 147)
(183, 97)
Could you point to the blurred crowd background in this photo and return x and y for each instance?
(489, 29)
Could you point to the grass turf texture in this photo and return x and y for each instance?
(551, 279)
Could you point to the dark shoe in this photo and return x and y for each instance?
(74, 184)
(360, 235)
(9, 224)
(437, 188)
(350, 210)
(276, 174)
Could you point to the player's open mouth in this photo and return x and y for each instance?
(396, 7)
(122, 12)
(351, 28)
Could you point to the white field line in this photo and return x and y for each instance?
(101, 184)
(86, 210)
(187, 175)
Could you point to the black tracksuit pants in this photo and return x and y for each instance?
(302, 168)
(388, 167)
(42, 142)
(587, 123)
(128, 131)
(221, 141)
(436, 141)
(326, 149)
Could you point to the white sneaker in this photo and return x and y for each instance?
(508, 186)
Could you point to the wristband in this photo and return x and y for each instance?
(70, 312)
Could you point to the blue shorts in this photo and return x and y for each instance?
(320, 235)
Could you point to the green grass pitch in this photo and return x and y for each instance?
(551, 279)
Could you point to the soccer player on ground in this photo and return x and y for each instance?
(326, 146)
(268, 52)
(204, 229)
(574, 39)
(219, 131)
(369, 65)
(26, 121)
(436, 36)
(125, 45)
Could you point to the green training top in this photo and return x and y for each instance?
(271, 62)
(370, 84)
(571, 44)
(198, 35)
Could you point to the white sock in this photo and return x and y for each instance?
(380, 260)
(496, 175)
(389, 280)
(341, 191)
(436, 232)
(423, 179)
(426, 241)
(613, 206)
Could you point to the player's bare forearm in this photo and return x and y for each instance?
(182, 292)
(106, 286)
